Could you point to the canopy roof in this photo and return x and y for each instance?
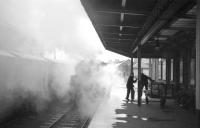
(160, 26)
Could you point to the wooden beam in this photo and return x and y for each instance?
(186, 16)
(136, 48)
(119, 11)
(118, 51)
(117, 25)
(162, 20)
(119, 35)
(184, 28)
(118, 39)
(161, 36)
(127, 34)
(148, 55)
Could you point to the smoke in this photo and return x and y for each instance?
(92, 84)
(40, 27)
(34, 82)
(48, 51)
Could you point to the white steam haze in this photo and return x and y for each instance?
(44, 45)
(42, 27)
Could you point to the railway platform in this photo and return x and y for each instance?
(115, 112)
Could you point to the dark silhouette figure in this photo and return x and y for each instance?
(144, 83)
(129, 86)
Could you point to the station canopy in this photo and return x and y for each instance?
(160, 27)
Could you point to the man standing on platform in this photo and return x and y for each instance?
(144, 83)
(129, 86)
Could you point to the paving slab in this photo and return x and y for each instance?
(115, 112)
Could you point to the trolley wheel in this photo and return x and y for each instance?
(147, 100)
(162, 101)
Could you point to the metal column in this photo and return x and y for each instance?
(198, 61)
(161, 69)
(131, 65)
(153, 69)
(139, 75)
(156, 69)
(186, 68)
(168, 74)
(150, 67)
(176, 70)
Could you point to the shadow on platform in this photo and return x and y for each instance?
(130, 115)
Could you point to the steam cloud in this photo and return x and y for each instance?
(43, 27)
(47, 51)
(92, 83)
(37, 82)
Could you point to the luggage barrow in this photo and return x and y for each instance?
(157, 90)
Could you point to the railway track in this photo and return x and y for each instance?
(62, 116)
(67, 119)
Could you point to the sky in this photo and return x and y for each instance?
(55, 29)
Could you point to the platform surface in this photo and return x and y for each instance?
(115, 112)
